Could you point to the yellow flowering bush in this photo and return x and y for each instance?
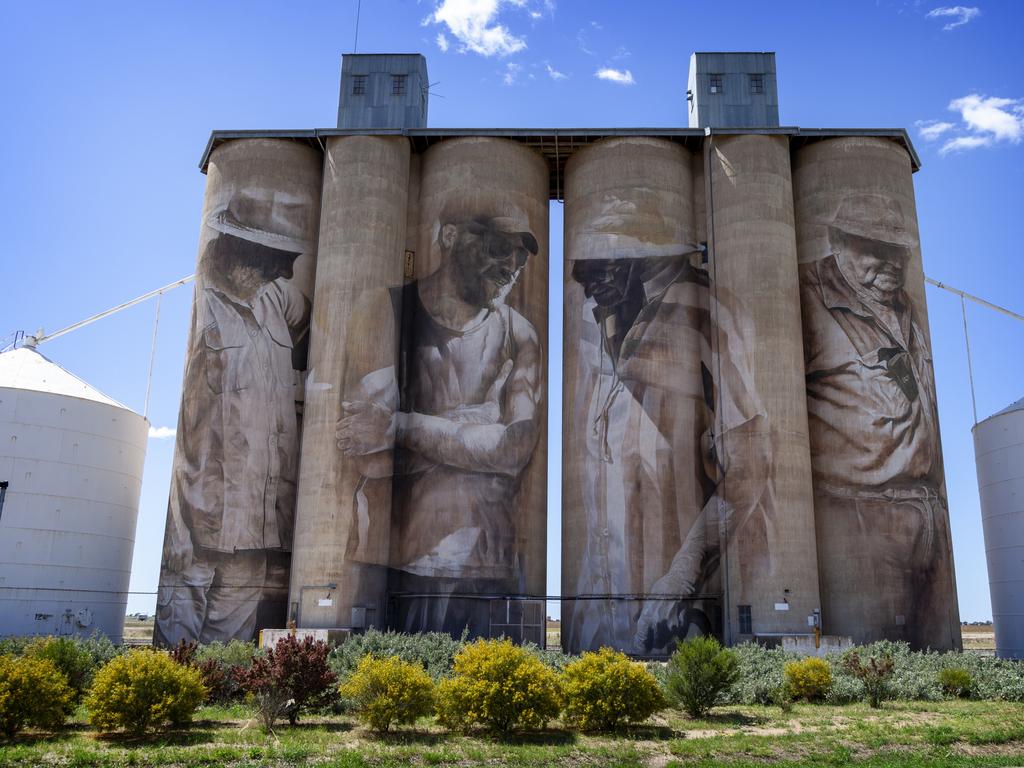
(144, 689)
(605, 689)
(386, 690)
(34, 693)
(500, 686)
(809, 679)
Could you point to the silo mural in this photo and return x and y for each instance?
(648, 346)
(468, 514)
(232, 500)
(423, 500)
(343, 518)
(762, 446)
(884, 546)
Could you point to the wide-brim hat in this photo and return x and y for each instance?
(874, 217)
(644, 225)
(273, 219)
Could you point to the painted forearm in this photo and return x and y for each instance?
(498, 448)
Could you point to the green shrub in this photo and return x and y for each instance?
(69, 656)
(956, 682)
(500, 686)
(809, 679)
(433, 651)
(874, 673)
(700, 673)
(388, 690)
(33, 693)
(142, 690)
(604, 689)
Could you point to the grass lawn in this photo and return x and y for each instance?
(910, 734)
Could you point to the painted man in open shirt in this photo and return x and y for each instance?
(455, 421)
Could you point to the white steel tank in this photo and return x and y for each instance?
(71, 458)
(999, 452)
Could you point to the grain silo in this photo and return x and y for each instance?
(999, 452)
(71, 459)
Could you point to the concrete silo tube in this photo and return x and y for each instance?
(469, 495)
(882, 523)
(343, 519)
(232, 499)
(634, 537)
(769, 558)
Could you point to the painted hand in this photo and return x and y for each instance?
(365, 427)
(658, 611)
(179, 549)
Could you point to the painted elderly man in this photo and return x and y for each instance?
(232, 499)
(456, 421)
(877, 461)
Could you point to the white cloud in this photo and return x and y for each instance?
(442, 42)
(512, 71)
(162, 433)
(620, 76)
(962, 143)
(1002, 118)
(984, 121)
(474, 23)
(930, 130)
(554, 74)
(961, 14)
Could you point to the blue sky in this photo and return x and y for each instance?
(108, 106)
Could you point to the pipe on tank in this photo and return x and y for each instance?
(767, 515)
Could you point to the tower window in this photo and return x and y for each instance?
(746, 622)
(757, 83)
(398, 85)
(715, 82)
(358, 85)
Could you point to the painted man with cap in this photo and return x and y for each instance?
(874, 432)
(231, 507)
(455, 422)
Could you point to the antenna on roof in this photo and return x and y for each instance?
(355, 45)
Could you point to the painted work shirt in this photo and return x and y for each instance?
(650, 471)
(870, 386)
(237, 462)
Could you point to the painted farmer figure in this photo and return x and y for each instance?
(455, 421)
(874, 431)
(232, 499)
(653, 476)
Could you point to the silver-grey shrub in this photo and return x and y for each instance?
(915, 674)
(434, 651)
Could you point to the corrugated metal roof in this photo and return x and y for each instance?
(558, 144)
(25, 368)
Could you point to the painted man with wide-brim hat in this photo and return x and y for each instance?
(232, 500)
(874, 431)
